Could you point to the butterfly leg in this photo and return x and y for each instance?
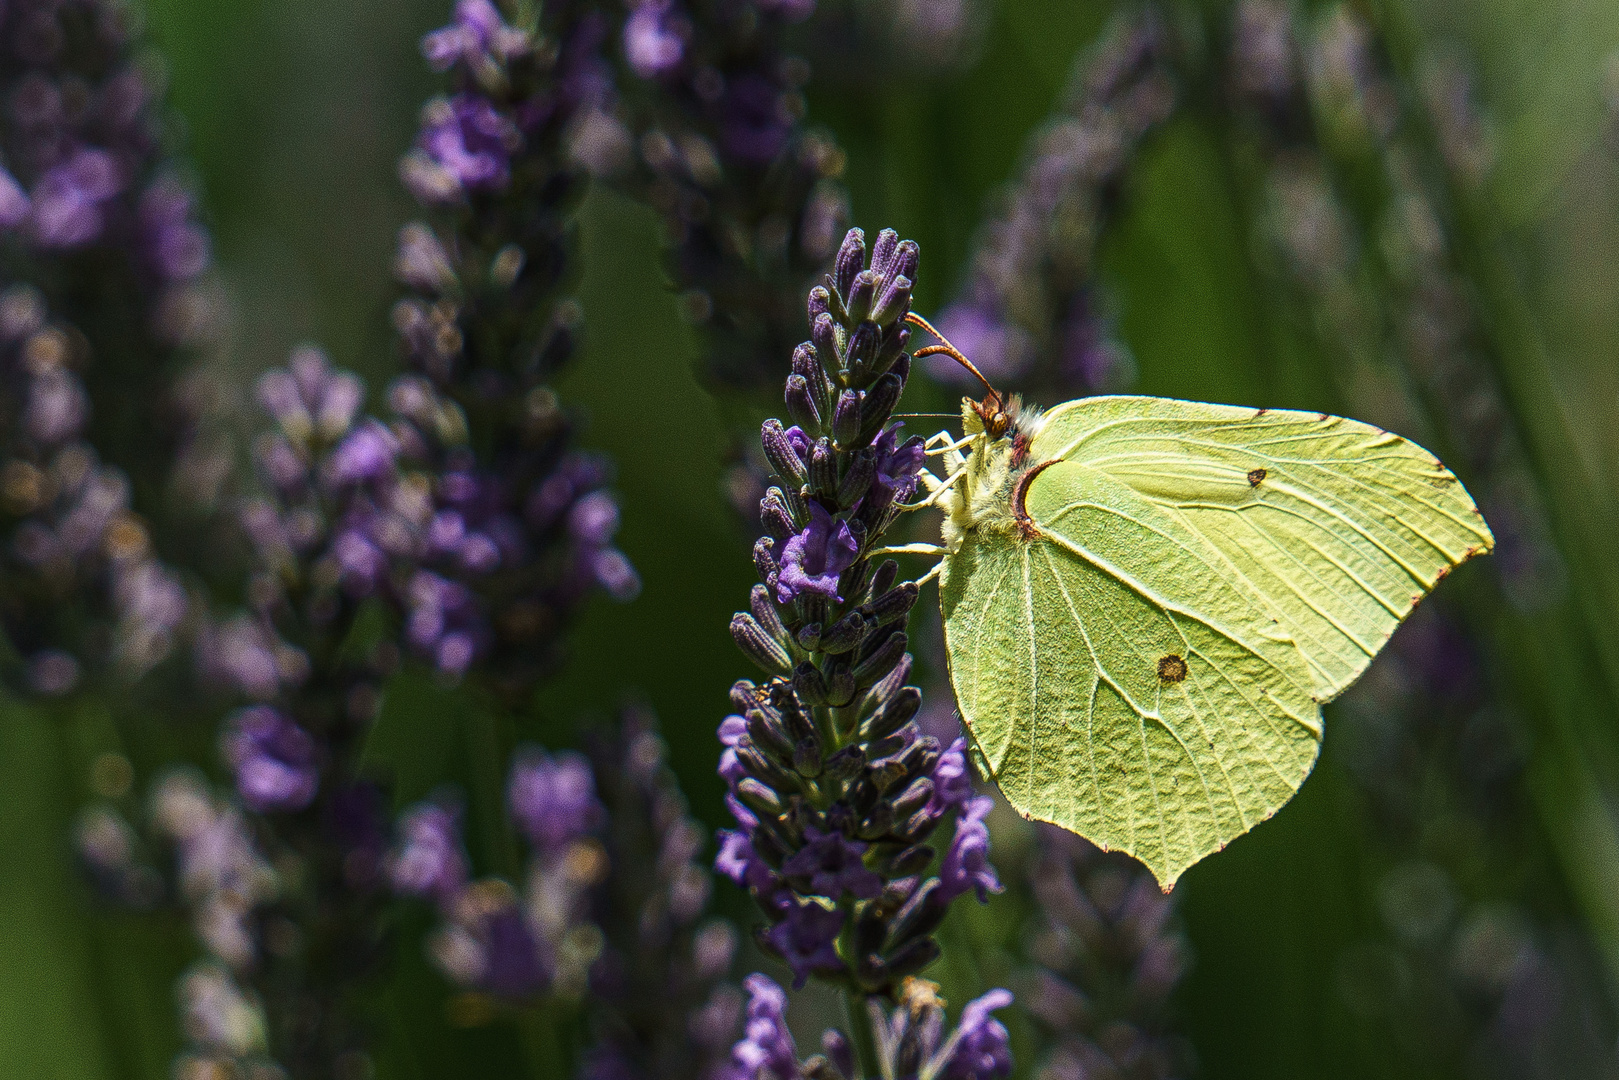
(930, 575)
(937, 488)
(908, 549)
(948, 446)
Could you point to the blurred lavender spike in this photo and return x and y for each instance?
(521, 527)
(82, 593)
(613, 905)
(749, 193)
(1432, 732)
(662, 1004)
(95, 213)
(1108, 954)
(1030, 315)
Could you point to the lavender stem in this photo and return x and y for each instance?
(861, 1034)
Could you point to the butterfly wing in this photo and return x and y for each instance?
(1107, 695)
(1145, 664)
(1339, 527)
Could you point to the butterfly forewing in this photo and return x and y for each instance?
(1144, 662)
(1340, 527)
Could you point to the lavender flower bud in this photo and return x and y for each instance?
(764, 560)
(774, 515)
(882, 253)
(824, 339)
(857, 480)
(807, 363)
(823, 469)
(894, 304)
(765, 612)
(878, 405)
(846, 420)
(801, 404)
(881, 660)
(845, 634)
(851, 257)
(894, 604)
(820, 303)
(861, 298)
(899, 709)
(809, 684)
(759, 646)
(781, 453)
(760, 799)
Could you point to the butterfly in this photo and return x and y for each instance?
(1146, 601)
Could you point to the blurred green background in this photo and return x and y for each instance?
(294, 114)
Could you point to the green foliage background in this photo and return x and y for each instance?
(295, 112)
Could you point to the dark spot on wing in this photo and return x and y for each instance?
(1322, 417)
(1260, 412)
(1256, 477)
(1171, 668)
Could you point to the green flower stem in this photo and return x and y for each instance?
(862, 1035)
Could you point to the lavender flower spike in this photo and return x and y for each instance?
(836, 793)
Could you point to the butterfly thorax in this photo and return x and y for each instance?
(994, 470)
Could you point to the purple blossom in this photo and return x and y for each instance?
(812, 561)
(982, 1046)
(768, 1044)
(732, 728)
(14, 204)
(67, 199)
(653, 43)
(833, 863)
(428, 860)
(898, 462)
(477, 32)
(471, 142)
(274, 760)
(966, 864)
(177, 247)
(553, 799)
(952, 780)
(366, 455)
(737, 861)
(806, 938)
(444, 621)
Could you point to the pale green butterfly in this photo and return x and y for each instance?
(1146, 601)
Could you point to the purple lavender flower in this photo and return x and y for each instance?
(428, 860)
(966, 863)
(553, 799)
(478, 34)
(14, 204)
(831, 865)
(813, 560)
(274, 760)
(982, 1049)
(768, 1045)
(653, 43)
(898, 463)
(468, 144)
(713, 102)
(806, 939)
(67, 199)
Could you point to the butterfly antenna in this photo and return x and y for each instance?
(952, 352)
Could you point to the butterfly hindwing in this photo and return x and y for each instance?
(1102, 699)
